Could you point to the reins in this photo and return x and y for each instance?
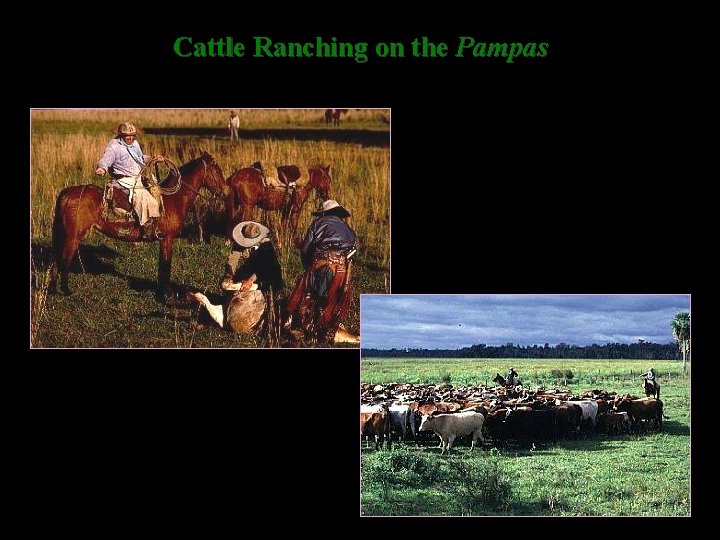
(180, 182)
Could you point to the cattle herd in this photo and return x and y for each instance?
(497, 415)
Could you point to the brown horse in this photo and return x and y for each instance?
(333, 116)
(651, 389)
(247, 191)
(79, 209)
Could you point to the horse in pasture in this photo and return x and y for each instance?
(333, 116)
(499, 380)
(79, 209)
(651, 389)
(247, 191)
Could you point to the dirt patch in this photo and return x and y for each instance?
(364, 137)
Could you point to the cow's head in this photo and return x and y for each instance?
(424, 426)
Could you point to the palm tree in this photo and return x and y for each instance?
(681, 332)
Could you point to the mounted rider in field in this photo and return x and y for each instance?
(512, 378)
(650, 378)
(124, 160)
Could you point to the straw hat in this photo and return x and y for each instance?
(250, 233)
(126, 128)
(332, 208)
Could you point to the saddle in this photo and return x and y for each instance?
(280, 177)
(116, 203)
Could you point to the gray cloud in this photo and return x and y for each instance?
(455, 321)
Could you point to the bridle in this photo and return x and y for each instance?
(202, 180)
(318, 195)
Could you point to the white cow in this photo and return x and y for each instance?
(450, 426)
(589, 410)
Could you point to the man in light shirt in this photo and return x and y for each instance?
(124, 160)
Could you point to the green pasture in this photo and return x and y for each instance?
(638, 474)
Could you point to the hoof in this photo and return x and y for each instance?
(165, 294)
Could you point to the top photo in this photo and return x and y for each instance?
(206, 228)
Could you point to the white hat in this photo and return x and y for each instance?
(332, 207)
(250, 233)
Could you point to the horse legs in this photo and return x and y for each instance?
(291, 221)
(64, 255)
(164, 264)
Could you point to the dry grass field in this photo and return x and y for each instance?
(66, 144)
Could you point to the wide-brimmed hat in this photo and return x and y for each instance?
(250, 233)
(126, 128)
(332, 208)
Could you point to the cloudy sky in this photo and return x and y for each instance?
(456, 321)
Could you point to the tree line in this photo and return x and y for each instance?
(640, 350)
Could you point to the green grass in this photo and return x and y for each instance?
(113, 302)
(460, 371)
(640, 474)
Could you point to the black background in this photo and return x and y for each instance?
(564, 174)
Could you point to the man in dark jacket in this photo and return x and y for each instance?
(323, 293)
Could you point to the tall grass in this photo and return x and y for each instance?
(64, 153)
(40, 283)
(360, 176)
(107, 119)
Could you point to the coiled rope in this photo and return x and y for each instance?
(174, 172)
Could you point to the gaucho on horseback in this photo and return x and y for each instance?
(124, 160)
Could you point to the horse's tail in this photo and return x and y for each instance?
(58, 231)
(58, 239)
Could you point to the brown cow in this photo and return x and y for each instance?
(375, 421)
(569, 417)
(643, 409)
(615, 422)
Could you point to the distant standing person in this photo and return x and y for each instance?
(234, 125)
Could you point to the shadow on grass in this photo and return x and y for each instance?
(364, 137)
(590, 442)
(96, 260)
(91, 259)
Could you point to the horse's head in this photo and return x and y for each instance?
(212, 177)
(320, 180)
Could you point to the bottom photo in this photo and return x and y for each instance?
(525, 405)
